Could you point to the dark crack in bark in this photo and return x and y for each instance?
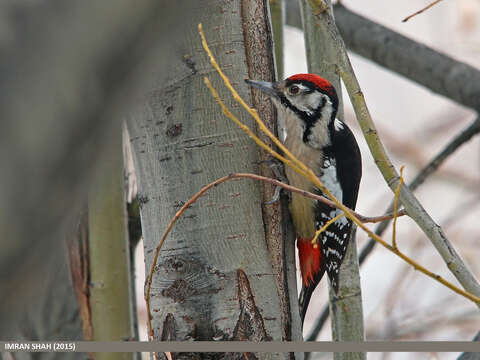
(250, 326)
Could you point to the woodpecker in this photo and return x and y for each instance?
(308, 105)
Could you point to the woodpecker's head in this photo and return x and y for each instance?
(309, 97)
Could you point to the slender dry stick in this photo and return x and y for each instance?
(251, 111)
(245, 128)
(325, 227)
(395, 208)
(312, 177)
(421, 10)
(193, 199)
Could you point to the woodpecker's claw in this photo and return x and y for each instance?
(276, 166)
(276, 196)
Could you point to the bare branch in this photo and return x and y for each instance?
(438, 72)
(346, 305)
(204, 190)
(433, 3)
(451, 78)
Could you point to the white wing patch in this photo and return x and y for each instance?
(338, 125)
(329, 179)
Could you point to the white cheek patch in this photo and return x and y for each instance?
(306, 102)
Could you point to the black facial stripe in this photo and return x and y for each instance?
(333, 97)
(308, 119)
(313, 119)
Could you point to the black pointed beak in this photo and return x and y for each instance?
(269, 88)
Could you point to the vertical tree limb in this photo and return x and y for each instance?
(346, 306)
(277, 13)
(109, 258)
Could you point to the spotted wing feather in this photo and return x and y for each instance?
(342, 173)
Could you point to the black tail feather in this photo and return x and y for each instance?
(306, 293)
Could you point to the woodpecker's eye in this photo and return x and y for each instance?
(294, 89)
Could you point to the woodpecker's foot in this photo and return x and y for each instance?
(277, 169)
(276, 196)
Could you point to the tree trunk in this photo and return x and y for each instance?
(221, 273)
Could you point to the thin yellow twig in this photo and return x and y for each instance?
(421, 10)
(312, 177)
(395, 208)
(325, 227)
(245, 128)
(250, 110)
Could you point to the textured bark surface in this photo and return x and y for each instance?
(346, 306)
(278, 230)
(215, 277)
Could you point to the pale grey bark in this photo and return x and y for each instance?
(346, 306)
(65, 70)
(221, 272)
(110, 291)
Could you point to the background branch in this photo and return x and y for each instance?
(438, 72)
(421, 10)
(449, 77)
